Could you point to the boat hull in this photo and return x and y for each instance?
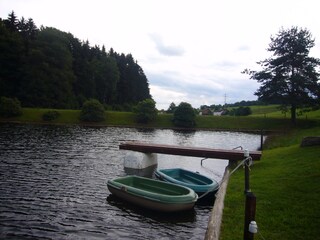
(197, 182)
(153, 194)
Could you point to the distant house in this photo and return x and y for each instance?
(218, 113)
(206, 111)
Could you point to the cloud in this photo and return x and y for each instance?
(164, 49)
(199, 89)
(244, 48)
(164, 96)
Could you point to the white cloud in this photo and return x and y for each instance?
(167, 50)
(164, 96)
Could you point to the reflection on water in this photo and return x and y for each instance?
(53, 182)
(185, 217)
(145, 172)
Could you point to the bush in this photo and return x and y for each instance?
(241, 111)
(50, 115)
(92, 111)
(184, 115)
(146, 111)
(10, 107)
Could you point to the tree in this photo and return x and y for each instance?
(12, 22)
(133, 85)
(240, 111)
(105, 75)
(92, 111)
(289, 76)
(49, 68)
(171, 108)
(10, 107)
(48, 74)
(11, 49)
(146, 111)
(184, 115)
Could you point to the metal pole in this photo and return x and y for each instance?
(246, 178)
(261, 140)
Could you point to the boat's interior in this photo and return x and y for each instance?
(153, 186)
(187, 177)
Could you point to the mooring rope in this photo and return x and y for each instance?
(247, 161)
(206, 193)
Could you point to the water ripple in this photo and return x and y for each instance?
(53, 183)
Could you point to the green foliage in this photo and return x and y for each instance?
(146, 111)
(267, 118)
(172, 108)
(10, 107)
(50, 115)
(285, 182)
(133, 84)
(48, 74)
(92, 111)
(240, 111)
(184, 115)
(290, 77)
(53, 69)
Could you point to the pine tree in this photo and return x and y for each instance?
(290, 76)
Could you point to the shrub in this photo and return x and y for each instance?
(241, 111)
(92, 111)
(146, 111)
(50, 115)
(10, 107)
(184, 115)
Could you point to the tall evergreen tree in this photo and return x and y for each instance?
(12, 22)
(290, 76)
(28, 31)
(49, 68)
(133, 85)
(12, 51)
(49, 75)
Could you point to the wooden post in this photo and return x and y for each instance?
(250, 212)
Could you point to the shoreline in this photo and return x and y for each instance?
(99, 125)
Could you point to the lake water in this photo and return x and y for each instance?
(53, 182)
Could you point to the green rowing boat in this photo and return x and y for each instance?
(153, 194)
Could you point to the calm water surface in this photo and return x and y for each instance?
(53, 182)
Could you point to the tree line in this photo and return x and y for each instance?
(45, 67)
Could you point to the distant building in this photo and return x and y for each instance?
(206, 111)
(218, 113)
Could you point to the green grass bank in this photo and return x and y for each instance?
(264, 117)
(286, 184)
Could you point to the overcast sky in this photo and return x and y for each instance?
(190, 50)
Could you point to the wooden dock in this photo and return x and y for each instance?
(232, 155)
(214, 224)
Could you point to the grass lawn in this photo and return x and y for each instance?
(256, 121)
(286, 184)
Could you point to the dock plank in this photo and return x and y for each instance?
(144, 147)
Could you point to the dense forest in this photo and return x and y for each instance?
(45, 67)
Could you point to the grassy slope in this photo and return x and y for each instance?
(258, 120)
(286, 184)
